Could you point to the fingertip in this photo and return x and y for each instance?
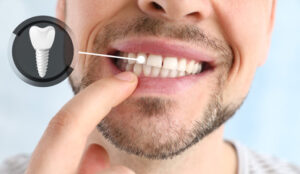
(127, 77)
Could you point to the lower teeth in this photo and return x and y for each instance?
(151, 71)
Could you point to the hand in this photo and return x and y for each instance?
(61, 148)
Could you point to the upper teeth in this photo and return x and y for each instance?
(156, 65)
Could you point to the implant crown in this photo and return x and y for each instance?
(42, 38)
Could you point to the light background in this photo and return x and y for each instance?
(268, 122)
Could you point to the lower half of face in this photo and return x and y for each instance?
(178, 101)
(182, 94)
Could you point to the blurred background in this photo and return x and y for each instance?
(268, 122)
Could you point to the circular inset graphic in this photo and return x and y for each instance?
(42, 51)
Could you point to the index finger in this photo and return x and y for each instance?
(62, 145)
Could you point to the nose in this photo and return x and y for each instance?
(177, 10)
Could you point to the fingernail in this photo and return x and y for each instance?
(126, 76)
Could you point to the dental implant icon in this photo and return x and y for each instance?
(42, 40)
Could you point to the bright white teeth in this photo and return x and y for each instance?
(137, 69)
(154, 60)
(190, 67)
(170, 63)
(181, 65)
(155, 71)
(157, 66)
(146, 70)
(164, 73)
(131, 55)
(173, 73)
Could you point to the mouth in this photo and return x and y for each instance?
(167, 68)
(158, 66)
(161, 61)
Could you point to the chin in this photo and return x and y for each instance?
(152, 126)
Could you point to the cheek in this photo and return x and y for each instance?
(83, 16)
(245, 24)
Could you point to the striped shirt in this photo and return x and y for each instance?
(249, 162)
(253, 163)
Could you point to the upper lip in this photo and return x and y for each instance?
(164, 47)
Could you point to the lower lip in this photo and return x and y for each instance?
(164, 85)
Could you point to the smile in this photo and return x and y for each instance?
(168, 68)
(161, 60)
(159, 66)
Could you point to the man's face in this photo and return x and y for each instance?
(208, 52)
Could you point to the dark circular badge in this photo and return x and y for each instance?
(42, 51)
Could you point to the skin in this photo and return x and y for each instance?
(72, 144)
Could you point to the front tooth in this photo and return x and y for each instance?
(131, 55)
(147, 70)
(164, 73)
(195, 68)
(129, 67)
(155, 71)
(181, 65)
(170, 63)
(154, 60)
(173, 73)
(141, 56)
(137, 69)
(190, 67)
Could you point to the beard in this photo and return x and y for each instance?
(150, 130)
(161, 139)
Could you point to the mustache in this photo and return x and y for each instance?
(147, 26)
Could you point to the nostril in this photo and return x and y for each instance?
(157, 7)
(195, 15)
